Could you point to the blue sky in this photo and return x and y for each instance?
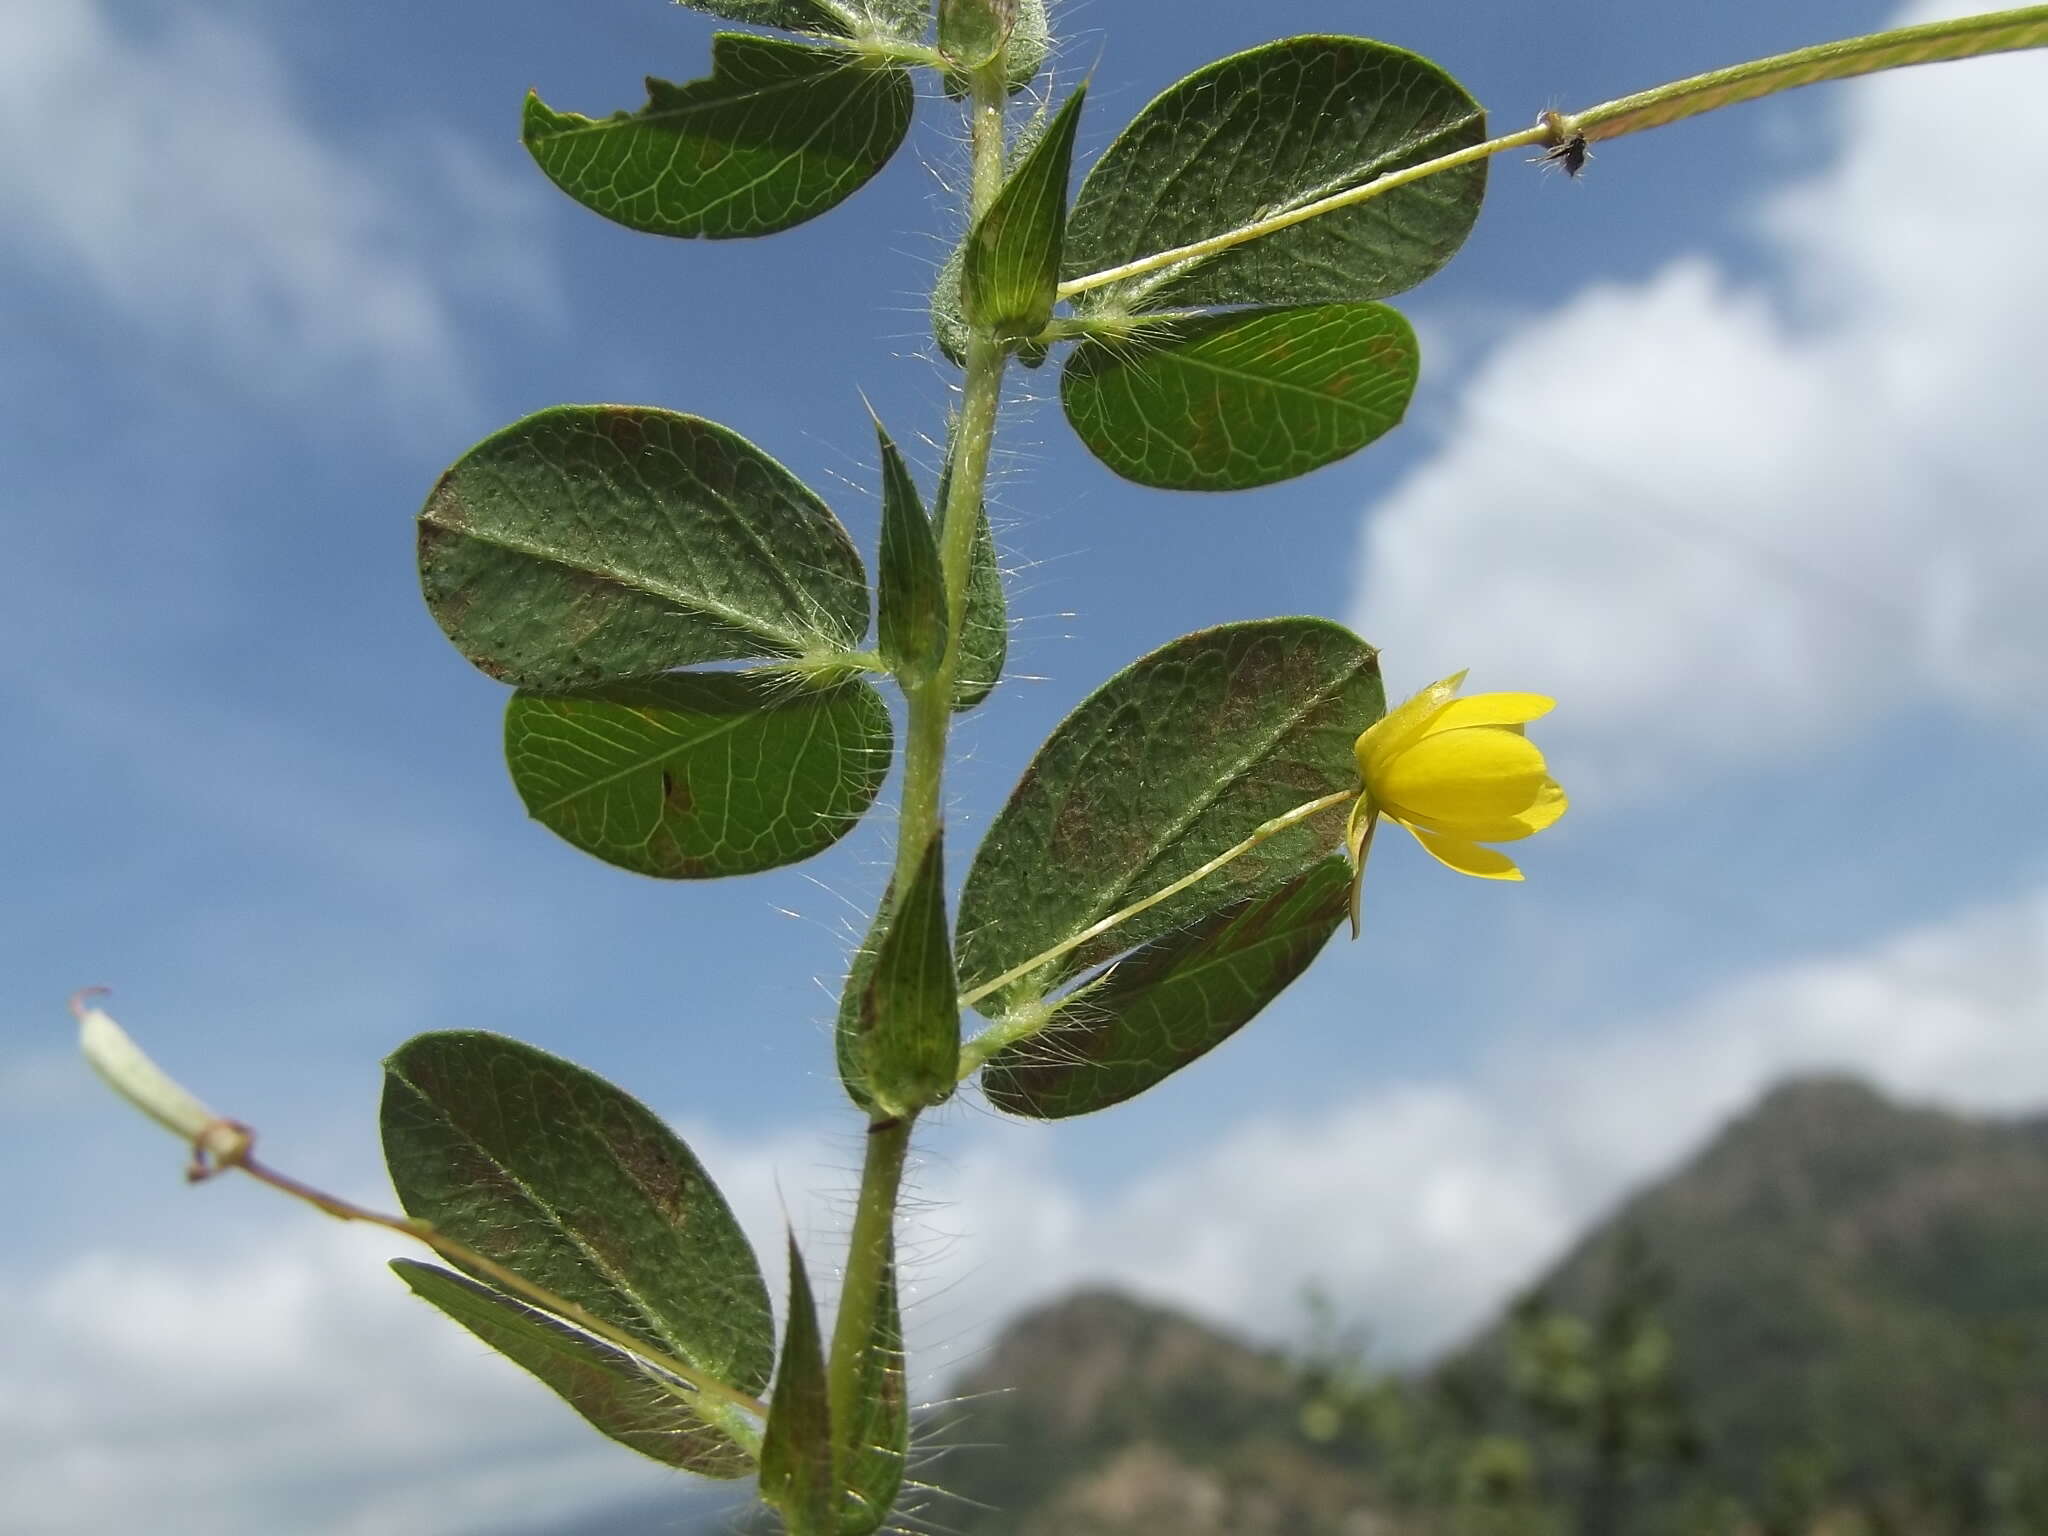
(1733, 446)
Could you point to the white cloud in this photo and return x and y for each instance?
(179, 177)
(1718, 522)
(282, 1385)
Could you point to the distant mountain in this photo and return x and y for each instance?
(1856, 1291)
(1833, 1319)
(1103, 1415)
(1849, 1324)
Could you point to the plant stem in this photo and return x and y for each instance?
(984, 1045)
(871, 1247)
(869, 1253)
(1934, 42)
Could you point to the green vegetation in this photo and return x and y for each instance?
(1833, 1322)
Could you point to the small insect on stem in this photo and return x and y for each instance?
(1568, 153)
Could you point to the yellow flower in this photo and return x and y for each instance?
(1457, 773)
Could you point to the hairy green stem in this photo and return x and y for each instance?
(870, 1251)
(1934, 42)
(871, 1247)
(1034, 1018)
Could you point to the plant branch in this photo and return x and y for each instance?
(1934, 42)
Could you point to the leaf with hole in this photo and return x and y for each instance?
(592, 543)
(1171, 1001)
(1178, 757)
(796, 1449)
(1265, 132)
(700, 774)
(619, 1395)
(778, 133)
(1229, 401)
(578, 1188)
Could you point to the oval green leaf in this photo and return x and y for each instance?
(698, 775)
(592, 543)
(796, 1448)
(778, 133)
(1170, 762)
(1267, 131)
(1171, 1001)
(619, 1395)
(1225, 402)
(579, 1188)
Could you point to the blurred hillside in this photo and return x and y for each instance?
(1834, 1318)
(1833, 1321)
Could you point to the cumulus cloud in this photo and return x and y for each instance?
(180, 179)
(282, 1385)
(1724, 516)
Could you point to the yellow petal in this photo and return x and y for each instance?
(1491, 709)
(1482, 773)
(1398, 728)
(1550, 804)
(1467, 858)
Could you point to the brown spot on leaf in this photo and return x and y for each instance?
(676, 795)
